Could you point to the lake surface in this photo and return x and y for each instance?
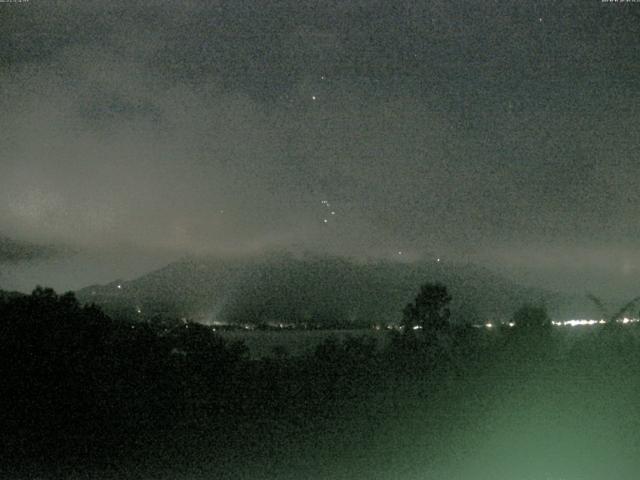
(296, 342)
(261, 343)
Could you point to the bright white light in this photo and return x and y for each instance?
(511, 324)
(325, 220)
(417, 327)
(488, 325)
(119, 287)
(333, 213)
(313, 97)
(580, 322)
(437, 260)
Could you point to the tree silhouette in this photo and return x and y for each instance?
(430, 309)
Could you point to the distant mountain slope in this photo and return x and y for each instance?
(317, 290)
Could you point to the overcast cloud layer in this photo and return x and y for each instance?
(496, 132)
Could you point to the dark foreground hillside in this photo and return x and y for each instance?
(86, 396)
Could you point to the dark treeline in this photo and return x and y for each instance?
(82, 392)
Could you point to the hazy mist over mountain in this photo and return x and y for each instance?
(316, 289)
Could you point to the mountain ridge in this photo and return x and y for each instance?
(312, 289)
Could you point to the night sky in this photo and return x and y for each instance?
(500, 133)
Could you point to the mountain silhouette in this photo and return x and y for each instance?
(315, 290)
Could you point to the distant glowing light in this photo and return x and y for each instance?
(417, 327)
(119, 287)
(437, 260)
(630, 320)
(488, 325)
(333, 213)
(313, 97)
(579, 322)
(326, 220)
(511, 324)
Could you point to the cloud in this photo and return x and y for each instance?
(15, 252)
(220, 128)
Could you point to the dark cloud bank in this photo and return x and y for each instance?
(504, 134)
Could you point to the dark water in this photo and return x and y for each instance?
(261, 343)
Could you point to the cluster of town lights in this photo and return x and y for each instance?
(564, 323)
(576, 323)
